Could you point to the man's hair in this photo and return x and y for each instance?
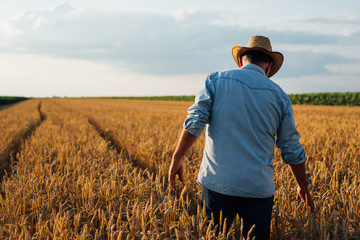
(257, 57)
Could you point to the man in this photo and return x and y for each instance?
(244, 111)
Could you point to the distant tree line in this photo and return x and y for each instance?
(334, 99)
(348, 98)
(160, 98)
(9, 100)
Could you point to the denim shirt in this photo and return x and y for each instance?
(244, 111)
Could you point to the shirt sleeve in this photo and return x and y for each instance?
(288, 138)
(199, 113)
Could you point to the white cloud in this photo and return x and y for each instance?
(320, 83)
(188, 42)
(301, 63)
(40, 21)
(39, 76)
(68, 51)
(346, 68)
(180, 14)
(62, 9)
(343, 24)
(7, 31)
(337, 18)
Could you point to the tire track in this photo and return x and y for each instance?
(114, 143)
(183, 193)
(107, 136)
(8, 157)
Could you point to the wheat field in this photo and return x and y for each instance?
(97, 169)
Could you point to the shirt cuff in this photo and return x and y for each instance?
(291, 158)
(194, 128)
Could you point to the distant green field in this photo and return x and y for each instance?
(160, 98)
(334, 99)
(344, 99)
(8, 100)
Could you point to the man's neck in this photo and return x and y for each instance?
(262, 65)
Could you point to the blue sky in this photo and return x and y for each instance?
(138, 48)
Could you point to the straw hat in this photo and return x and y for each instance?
(262, 44)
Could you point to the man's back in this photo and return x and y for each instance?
(246, 112)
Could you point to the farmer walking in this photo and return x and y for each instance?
(243, 110)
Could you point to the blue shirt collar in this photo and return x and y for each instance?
(254, 67)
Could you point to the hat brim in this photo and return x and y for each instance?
(277, 57)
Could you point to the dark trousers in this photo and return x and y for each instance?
(253, 211)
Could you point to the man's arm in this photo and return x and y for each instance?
(293, 153)
(298, 171)
(186, 140)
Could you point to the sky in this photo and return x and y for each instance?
(80, 48)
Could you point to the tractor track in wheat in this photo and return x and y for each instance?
(9, 154)
(108, 136)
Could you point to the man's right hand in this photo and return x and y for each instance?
(176, 168)
(306, 197)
